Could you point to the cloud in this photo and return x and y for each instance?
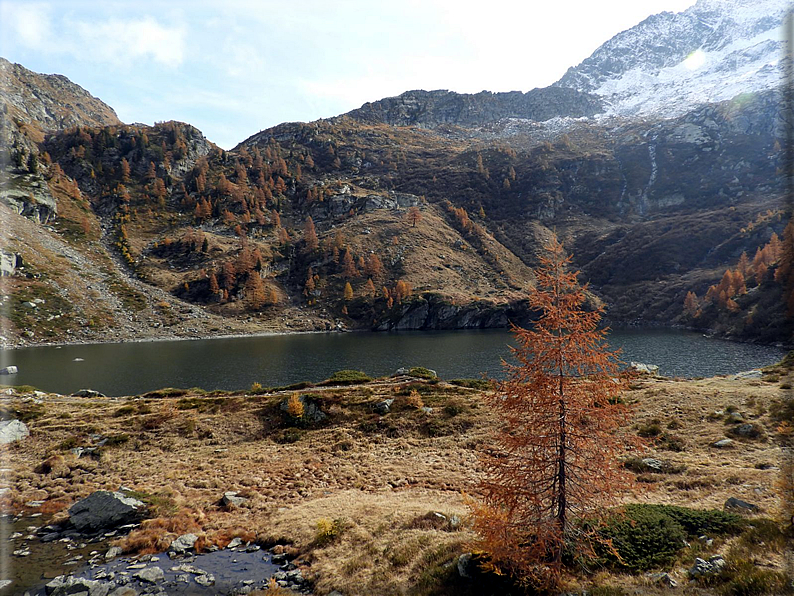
(25, 24)
(117, 40)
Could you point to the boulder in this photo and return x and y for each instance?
(711, 567)
(663, 579)
(105, 510)
(183, 544)
(747, 431)
(748, 374)
(9, 370)
(644, 369)
(465, 565)
(151, 575)
(383, 407)
(735, 504)
(113, 552)
(312, 413)
(12, 430)
(232, 499)
(653, 464)
(722, 443)
(66, 585)
(87, 393)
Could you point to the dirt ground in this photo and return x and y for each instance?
(371, 503)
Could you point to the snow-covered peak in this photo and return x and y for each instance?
(670, 62)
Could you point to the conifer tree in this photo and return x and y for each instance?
(255, 296)
(310, 235)
(553, 461)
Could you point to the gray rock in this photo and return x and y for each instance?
(66, 585)
(748, 374)
(311, 411)
(151, 575)
(465, 565)
(87, 393)
(113, 552)
(5, 582)
(383, 407)
(232, 499)
(663, 579)
(653, 464)
(748, 431)
(644, 369)
(104, 510)
(9, 370)
(735, 417)
(711, 567)
(741, 506)
(12, 430)
(183, 544)
(8, 263)
(205, 580)
(722, 443)
(124, 591)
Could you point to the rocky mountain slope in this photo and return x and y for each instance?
(423, 211)
(429, 109)
(712, 52)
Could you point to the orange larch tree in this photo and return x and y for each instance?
(554, 459)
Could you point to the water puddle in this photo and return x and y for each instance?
(34, 560)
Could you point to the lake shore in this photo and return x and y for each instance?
(392, 481)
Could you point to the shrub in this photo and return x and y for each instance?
(745, 578)
(348, 377)
(481, 384)
(414, 400)
(643, 538)
(648, 536)
(327, 531)
(422, 372)
(650, 430)
(166, 392)
(115, 440)
(295, 406)
(257, 388)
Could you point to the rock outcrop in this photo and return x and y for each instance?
(104, 510)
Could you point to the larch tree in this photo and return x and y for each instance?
(413, 215)
(255, 292)
(310, 235)
(553, 462)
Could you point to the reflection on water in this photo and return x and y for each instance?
(236, 363)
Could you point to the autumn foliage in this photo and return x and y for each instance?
(554, 459)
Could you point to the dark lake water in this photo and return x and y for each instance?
(236, 363)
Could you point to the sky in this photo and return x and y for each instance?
(235, 67)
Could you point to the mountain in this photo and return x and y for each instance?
(429, 109)
(670, 62)
(422, 211)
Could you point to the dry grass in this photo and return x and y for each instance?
(380, 480)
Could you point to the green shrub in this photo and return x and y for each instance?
(115, 440)
(697, 522)
(165, 392)
(124, 411)
(348, 377)
(328, 531)
(745, 578)
(644, 537)
(481, 384)
(421, 372)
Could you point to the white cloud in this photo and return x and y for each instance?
(25, 24)
(119, 41)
